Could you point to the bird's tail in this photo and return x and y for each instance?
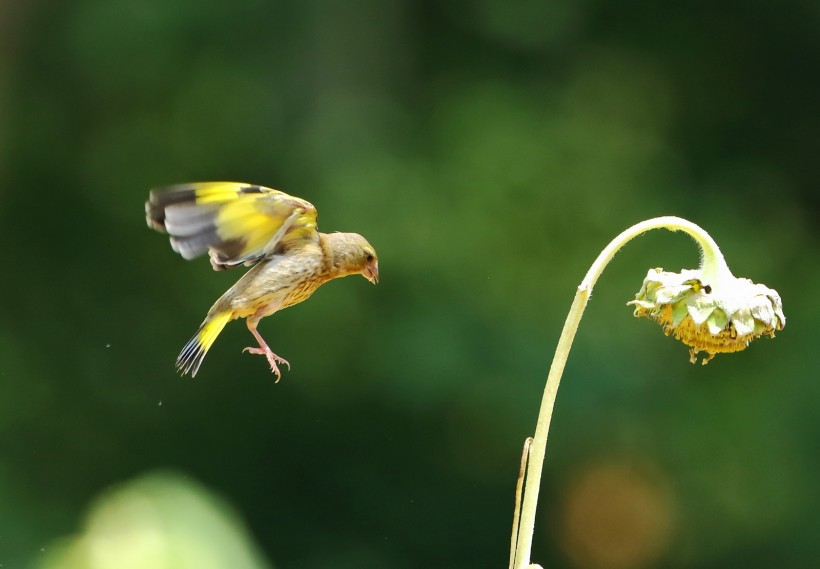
(191, 356)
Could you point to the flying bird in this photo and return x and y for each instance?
(244, 224)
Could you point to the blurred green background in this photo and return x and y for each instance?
(488, 150)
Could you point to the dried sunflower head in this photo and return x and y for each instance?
(721, 316)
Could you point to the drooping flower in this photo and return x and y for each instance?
(713, 317)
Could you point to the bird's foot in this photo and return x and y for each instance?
(273, 359)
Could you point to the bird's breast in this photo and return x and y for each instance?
(279, 283)
(301, 290)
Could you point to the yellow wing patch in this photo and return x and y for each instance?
(257, 220)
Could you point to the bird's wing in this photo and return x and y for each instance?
(237, 223)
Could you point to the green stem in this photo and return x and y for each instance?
(713, 266)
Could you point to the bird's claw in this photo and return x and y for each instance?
(273, 359)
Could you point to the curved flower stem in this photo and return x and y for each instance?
(713, 266)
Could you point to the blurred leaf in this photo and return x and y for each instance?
(160, 520)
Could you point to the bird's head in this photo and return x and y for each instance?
(352, 254)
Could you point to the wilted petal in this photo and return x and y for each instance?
(763, 310)
(743, 321)
(670, 294)
(700, 308)
(717, 322)
(643, 304)
(679, 312)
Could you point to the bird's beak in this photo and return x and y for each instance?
(371, 273)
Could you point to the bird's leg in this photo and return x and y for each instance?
(264, 350)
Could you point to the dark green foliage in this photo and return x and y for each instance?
(488, 152)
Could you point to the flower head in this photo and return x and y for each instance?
(713, 317)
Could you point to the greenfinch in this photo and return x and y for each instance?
(244, 224)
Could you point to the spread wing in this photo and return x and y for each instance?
(236, 223)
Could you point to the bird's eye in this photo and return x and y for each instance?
(369, 257)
